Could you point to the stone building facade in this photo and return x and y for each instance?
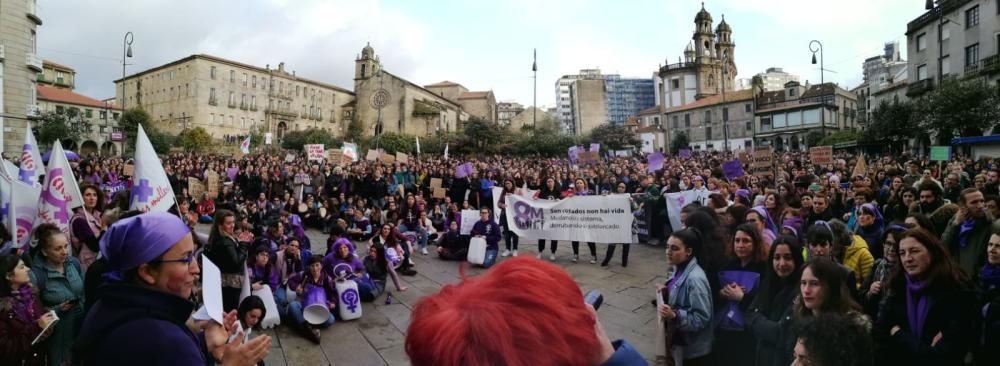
(103, 136)
(229, 98)
(19, 68)
(589, 106)
(712, 121)
(785, 118)
(701, 73)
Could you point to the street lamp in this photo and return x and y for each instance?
(817, 46)
(126, 52)
(725, 114)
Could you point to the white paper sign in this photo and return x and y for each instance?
(211, 288)
(267, 138)
(469, 218)
(315, 152)
(600, 219)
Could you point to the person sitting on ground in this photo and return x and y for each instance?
(205, 209)
(376, 273)
(488, 229)
(453, 245)
(459, 324)
(300, 283)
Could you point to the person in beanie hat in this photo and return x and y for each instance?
(152, 272)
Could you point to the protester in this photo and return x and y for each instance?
(930, 315)
(968, 232)
(453, 245)
(487, 229)
(87, 225)
(988, 350)
(229, 255)
(769, 316)
(301, 283)
(459, 325)
(509, 237)
(153, 270)
(831, 339)
(689, 303)
(621, 189)
(59, 278)
(874, 288)
(22, 317)
(548, 192)
(748, 257)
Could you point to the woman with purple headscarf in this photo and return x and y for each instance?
(761, 220)
(153, 270)
(870, 227)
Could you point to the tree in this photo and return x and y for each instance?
(892, 122)
(959, 108)
(840, 136)
(194, 139)
(57, 126)
(392, 143)
(295, 140)
(680, 141)
(480, 132)
(813, 138)
(614, 137)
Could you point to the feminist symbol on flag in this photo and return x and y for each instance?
(59, 203)
(142, 191)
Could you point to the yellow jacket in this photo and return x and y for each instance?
(858, 259)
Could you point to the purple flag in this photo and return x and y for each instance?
(684, 153)
(463, 170)
(733, 169)
(595, 147)
(231, 172)
(730, 316)
(574, 151)
(655, 162)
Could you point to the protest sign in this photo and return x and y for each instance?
(315, 152)
(601, 219)
(677, 201)
(940, 153)
(128, 170)
(860, 168)
(435, 182)
(372, 155)
(469, 218)
(439, 192)
(684, 153)
(821, 155)
(763, 164)
(334, 156)
(212, 184)
(402, 157)
(588, 157)
(655, 161)
(289, 158)
(388, 158)
(195, 188)
(733, 169)
(350, 152)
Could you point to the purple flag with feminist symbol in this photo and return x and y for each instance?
(31, 160)
(151, 191)
(654, 162)
(733, 169)
(60, 192)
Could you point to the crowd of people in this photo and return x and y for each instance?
(896, 261)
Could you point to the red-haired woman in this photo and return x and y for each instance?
(931, 314)
(459, 325)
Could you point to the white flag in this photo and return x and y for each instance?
(245, 145)
(23, 209)
(418, 145)
(60, 192)
(31, 160)
(151, 191)
(446, 151)
(6, 208)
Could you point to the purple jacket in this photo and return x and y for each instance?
(334, 266)
(267, 276)
(490, 230)
(117, 329)
(326, 282)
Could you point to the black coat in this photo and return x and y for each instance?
(989, 350)
(770, 321)
(953, 313)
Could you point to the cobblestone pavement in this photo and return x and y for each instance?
(378, 337)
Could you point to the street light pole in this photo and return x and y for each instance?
(126, 52)
(817, 46)
(725, 115)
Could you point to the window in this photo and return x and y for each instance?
(792, 92)
(254, 84)
(232, 76)
(972, 54)
(232, 99)
(687, 120)
(972, 17)
(114, 115)
(921, 41)
(244, 79)
(708, 117)
(89, 113)
(675, 84)
(725, 114)
(675, 122)
(253, 102)
(749, 126)
(794, 119)
(211, 117)
(296, 90)
(922, 72)
(945, 32)
(708, 133)
(211, 95)
(104, 115)
(746, 108)
(779, 120)
(243, 122)
(60, 109)
(243, 101)
(945, 65)
(60, 77)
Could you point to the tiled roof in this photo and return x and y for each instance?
(632, 122)
(474, 95)
(443, 83)
(715, 99)
(818, 90)
(648, 129)
(67, 96)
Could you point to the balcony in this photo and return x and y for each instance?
(920, 87)
(232, 104)
(32, 111)
(32, 12)
(987, 66)
(33, 62)
(281, 112)
(244, 106)
(273, 94)
(213, 101)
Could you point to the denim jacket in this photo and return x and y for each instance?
(691, 299)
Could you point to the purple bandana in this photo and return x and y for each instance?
(917, 305)
(963, 231)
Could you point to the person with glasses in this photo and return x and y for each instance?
(153, 267)
(488, 229)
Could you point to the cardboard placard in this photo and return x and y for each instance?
(940, 153)
(435, 182)
(334, 156)
(402, 158)
(860, 169)
(821, 155)
(129, 170)
(315, 152)
(589, 157)
(372, 155)
(212, 184)
(195, 188)
(388, 159)
(763, 162)
(439, 192)
(289, 158)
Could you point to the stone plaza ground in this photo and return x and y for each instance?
(378, 338)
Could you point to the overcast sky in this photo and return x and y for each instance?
(480, 44)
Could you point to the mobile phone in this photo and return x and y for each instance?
(594, 298)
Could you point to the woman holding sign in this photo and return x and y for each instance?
(579, 188)
(738, 278)
(550, 192)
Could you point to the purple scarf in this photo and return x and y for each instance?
(22, 302)
(990, 275)
(963, 231)
(917, 305)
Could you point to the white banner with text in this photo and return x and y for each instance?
(600, 219)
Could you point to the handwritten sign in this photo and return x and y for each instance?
(372, 155)
(588, 157)
(469, 218)
(435, 182)
(763, 162)
(439, 192)
(821, 155)
(195, 188)
(388, 159)
(334, 156)
(315, 152)
(289, 158)
(129, 170)
(402, 157)
(212, 184)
